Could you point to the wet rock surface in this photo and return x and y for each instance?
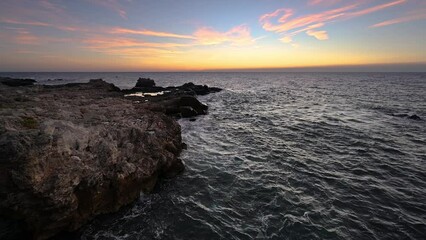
(71, 152)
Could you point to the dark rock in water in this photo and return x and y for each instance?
(414, 117)
(75, 151)
(190, 101)
(12, 82)
(145, 83)
(401, 115)
(187, 112)
(177, 101)
(404, 115)
(199, 89)
(192, 119)
(184, 106)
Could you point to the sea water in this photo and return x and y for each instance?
(286, 156)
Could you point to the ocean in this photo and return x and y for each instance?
(285, 156)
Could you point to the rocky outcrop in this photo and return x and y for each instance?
(144, 83)
(180, 101)
(16, 82)
(69, 153)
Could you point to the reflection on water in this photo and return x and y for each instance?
(143, 94)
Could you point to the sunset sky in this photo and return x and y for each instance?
(201, 35)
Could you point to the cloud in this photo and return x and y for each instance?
(376, 8)
(239, 35)
(24, 37)
(40, 24)
(30, 23)
(113, 5)
(412, 16)
(284, 22)
(323, 2)
(286, 39)
(149, 33)
(128, 47)
(320, 35)
(113, 42)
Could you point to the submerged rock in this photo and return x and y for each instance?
(404, 115)
(75, 151)
(414, 117)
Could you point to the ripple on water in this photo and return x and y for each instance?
(292, 156)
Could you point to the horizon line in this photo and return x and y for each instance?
(364, 68)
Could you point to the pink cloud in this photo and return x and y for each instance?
(412, 16)
(376, 8)
(284, 22)
(239, 35)
(149, 33)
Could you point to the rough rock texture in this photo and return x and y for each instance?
(177, 101)
(71, 152)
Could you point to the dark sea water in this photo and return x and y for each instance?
(287, 156)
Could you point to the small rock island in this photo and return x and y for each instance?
(71, 152)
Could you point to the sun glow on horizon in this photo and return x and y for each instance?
(126, 35)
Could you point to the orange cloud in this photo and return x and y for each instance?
(282, 20)
(149, 33)
(286, 39)
(239, 35)
(105, 43)
(26, 38)
(320, 35)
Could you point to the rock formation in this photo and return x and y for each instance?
(178, 101)
(71, 152)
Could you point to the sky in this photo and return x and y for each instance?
(212, 35)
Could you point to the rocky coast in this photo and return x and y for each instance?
(69, 153)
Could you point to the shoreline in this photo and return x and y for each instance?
(72, 152)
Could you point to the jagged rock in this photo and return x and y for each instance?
(75, 151)
(145, 83)
(12, 82)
